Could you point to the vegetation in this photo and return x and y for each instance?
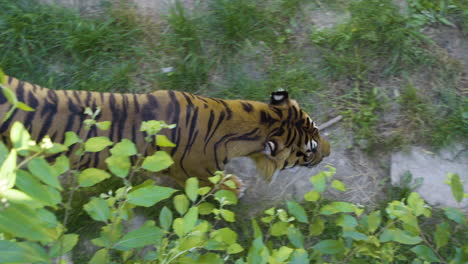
(35, 227)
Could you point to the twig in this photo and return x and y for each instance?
(330, 122)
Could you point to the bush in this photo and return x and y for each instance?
(194, 229)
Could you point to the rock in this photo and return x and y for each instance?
(433, 168)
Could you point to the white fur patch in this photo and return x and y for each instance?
(270, 147)
(314, 144)
(278, 97)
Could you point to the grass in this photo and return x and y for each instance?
(58, 48)
(377, 40)
(247, 49)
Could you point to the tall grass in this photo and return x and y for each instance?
(58, 48)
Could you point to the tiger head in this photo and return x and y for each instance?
(297, 141)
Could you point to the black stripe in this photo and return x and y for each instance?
(247, 107)
(115, 112)
(3, 99)
(32, 102)
(228, 110)
(123, 117)
(210, 123)
(220, 120)
(49, 108)
(245, 137)
(7, 122)
(277, 111)
(20, 91)
(136, 104)
(215, 149)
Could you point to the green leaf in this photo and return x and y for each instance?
(149, 195)
(181, 203)
(9, 94)
(330, 247)
(416, 203)
(319, 181)
(299, 256)
(205, 208)
(100, 257)
(3, 153)
(91, 176)
(348, 222)
(109, 234)
(227, 215)
(61, 165)
(358, 236)
(8, 171)
(215, 179)
(19, 197)
(279, 228)
(23, 252)
(312, 196)
(159, 161)
(190, 219)
(191, 188)
(104, 125)
(71, 138)
(19, 136)
(295, 237)
(234, 249)
(119, 165)
(317, 226)
(204, 190)
(338, 207)
(400, 236)
(297, 211)
(258, 252)
(178, 226)
(98, 209)
(455, 215)
(96, 144)
(373, 221)
(41, 193)
(2, 77)
(225, 235)
(425, 252)
(146, 235)
(25, 222)
(442, 234)
(256, 228)
(282, 254)
(457, 187)
(165, 218)
(24, 107)
(65, 243)
(163, 141)
(226, 197)
(43, 171)
(124, 148)
(338, 185)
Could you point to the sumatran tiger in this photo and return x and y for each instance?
(209, 131)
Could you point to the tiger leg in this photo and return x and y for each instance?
(180, 177)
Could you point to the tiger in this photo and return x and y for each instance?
(208, 132)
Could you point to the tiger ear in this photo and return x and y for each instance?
(279, 97)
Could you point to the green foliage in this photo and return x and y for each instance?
(377, 38)
(58, 48)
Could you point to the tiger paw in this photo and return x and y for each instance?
(234, 184)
